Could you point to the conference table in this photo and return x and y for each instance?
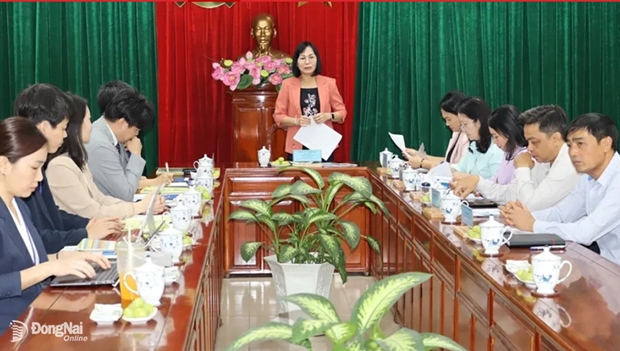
(471, 298)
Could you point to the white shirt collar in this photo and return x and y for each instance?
(114, 140)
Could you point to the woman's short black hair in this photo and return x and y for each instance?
(300, 48)
(451, 101)
(477, 109)
(20, 137)
(73, 145)
(506, 121)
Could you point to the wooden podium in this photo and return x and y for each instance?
(253, 125)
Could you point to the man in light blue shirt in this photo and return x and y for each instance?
(591, 212)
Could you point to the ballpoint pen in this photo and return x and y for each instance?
(167, 169)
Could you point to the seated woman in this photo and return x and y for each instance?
(507, 131)
(458, 143)
(71, 181)
(483, 156)
(24, 263)
(307, 95)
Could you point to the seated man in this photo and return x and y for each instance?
(537, 185)
(49, 107)
(116, 173)
(104, 98)
(590, 212)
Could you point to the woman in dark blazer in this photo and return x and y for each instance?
(24, 263)
(307, 95)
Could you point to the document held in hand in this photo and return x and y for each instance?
(318, 137)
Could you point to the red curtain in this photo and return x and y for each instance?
(194, 109)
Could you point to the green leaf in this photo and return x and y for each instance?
(359, 184)
(379, 203)
(287, 253)
(436, 341)
(316, 176)
(351, 233)
(341, 333)
(402, 340)
(321, 216)
(341, 264)
(330, 244)
(283, 218)
(302, 199)
(355, 197)
(374, 244)
(243, 215)
(301, 188)
(315, 306)
(330, 194)
(261, 207)
(304, 329)
(371, 206)
(282, 190)
(375, 302)
(354, 346)
(244, 82)
(269, 331)
(248, 250)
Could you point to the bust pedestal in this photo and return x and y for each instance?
(253, 125)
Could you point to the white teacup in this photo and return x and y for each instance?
(150, 282)
(171, 241)
(204, 172)
(264, 156)
(193, 200)
(492, 236)
(384, 157)
(549, 312)
(546, 269)
(451, 206)
(181, 217)
(412, 179)
(394, 165)
(206, 181)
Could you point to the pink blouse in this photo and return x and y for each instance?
(458, 144)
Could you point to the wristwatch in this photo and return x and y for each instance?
(332, 117)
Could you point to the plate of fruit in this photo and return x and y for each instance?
(522, 270)
(280, 162)
(473, 234)
(426, 199)
(139, 312)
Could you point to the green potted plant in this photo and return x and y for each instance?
(362, 332)
(307, 245)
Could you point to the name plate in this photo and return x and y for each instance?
(467, 216)
(436, 197)
(306, 155)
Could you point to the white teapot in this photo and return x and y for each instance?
(150, 282)
(492, 236)
(204, 162)
(546, 269)
(384, 157)
(264, 156)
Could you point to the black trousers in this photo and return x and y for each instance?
(593, 247)
(330, 159)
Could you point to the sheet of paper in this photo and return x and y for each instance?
(138, 197)
(399, 140)
(178, 185)
(319, 137)
(485, 212)
(442, 170)
(422, 151)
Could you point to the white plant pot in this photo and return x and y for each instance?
(292, 278)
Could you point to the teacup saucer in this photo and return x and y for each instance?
(537, 294)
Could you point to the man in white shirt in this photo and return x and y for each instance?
(591, 211)
(537, 185)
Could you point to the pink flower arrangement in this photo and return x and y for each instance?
(248, 71)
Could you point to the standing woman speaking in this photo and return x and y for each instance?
(307, 95)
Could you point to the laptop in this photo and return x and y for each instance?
(110, 276)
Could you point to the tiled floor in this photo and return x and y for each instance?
(250, 302)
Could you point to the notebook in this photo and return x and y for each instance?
(530, 240)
